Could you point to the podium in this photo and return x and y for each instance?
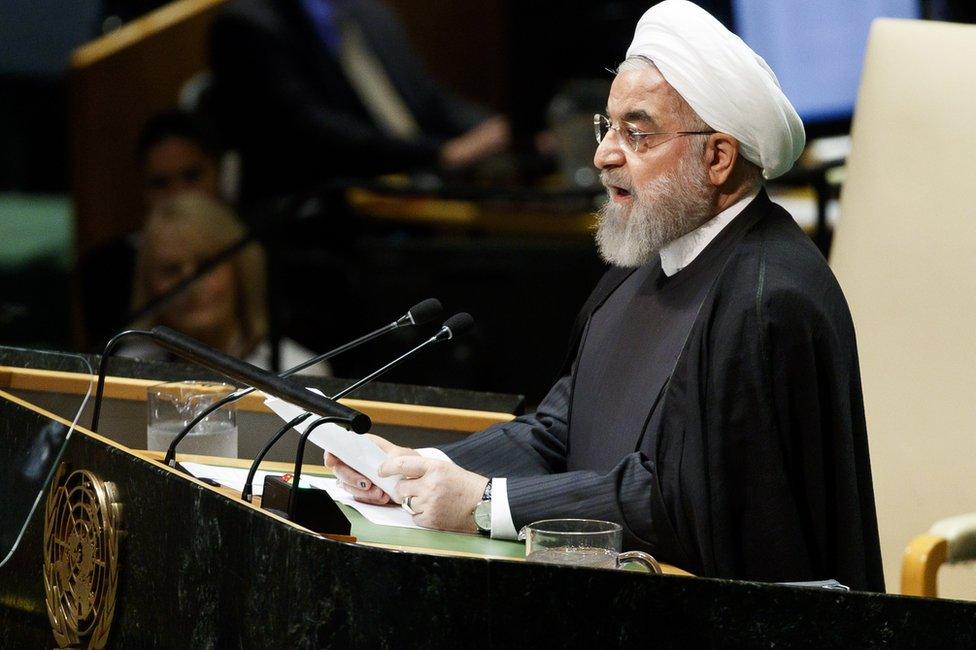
(195, 567)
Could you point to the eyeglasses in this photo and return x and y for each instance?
(636, 140)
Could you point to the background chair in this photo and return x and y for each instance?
(951, 540)
(905, 253)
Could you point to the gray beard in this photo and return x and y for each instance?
(660, 212)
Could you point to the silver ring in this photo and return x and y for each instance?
(406, 506)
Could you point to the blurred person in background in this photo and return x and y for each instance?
(177, 152)
(227, 307)
(308, 90)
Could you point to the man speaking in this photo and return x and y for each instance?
(713, 405)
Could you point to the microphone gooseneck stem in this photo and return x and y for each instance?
(373, 375)
(170, 458)
(251, 375)
(300, 453)
(457, 323)
(248, 490)
(339, 350)
(109, 350)
(299, 459)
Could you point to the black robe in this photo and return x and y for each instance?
(749, 455)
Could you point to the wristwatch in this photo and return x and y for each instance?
(482, 512)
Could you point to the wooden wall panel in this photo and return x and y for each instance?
(115, 84)
(463, 45)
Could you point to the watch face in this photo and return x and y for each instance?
(482, 515)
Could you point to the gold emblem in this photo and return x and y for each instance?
(81, 550)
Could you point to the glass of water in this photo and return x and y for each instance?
(173, 405)
(581, 542)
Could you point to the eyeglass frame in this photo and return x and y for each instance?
(633, 134)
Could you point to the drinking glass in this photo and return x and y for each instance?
(173, 405)
(581, 542)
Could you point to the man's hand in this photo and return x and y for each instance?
(358, 485)
(490, 137)
(442, 494)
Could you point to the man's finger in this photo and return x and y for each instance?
(424, 520)
(347, 474)
(407, 487)
(410, 466)
(374, 494)
(380, 501)
(417, 504)
(351, 477)
(382, 443)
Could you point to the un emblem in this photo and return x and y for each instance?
(81, 550)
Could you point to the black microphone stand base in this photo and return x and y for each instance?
(312, 508)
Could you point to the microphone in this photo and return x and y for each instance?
(245, 373)
(423, 312)
(280, 495)
(456, 325)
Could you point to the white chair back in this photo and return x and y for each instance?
(905, 254)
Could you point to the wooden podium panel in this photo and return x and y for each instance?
(382, 413)
(124, 414)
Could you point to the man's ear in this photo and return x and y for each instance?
(721, 154)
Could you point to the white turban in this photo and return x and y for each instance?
(728, 85)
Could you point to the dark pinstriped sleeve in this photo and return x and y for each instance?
(529, 445)
(628, 495)
(530, 452)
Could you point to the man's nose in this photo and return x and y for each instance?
(608, 153)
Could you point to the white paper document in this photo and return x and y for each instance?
(392, 515)
(233, 477)
(357, 451)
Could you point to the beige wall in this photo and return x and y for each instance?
(905, 253)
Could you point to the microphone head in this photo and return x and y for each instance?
(458, 324)
(425, 311)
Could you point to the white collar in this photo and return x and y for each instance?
(679, 253)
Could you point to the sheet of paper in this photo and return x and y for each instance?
(392, 515)
(234, 478)
(351, 448)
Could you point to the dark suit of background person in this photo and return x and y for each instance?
(732, 442)
(284, 101)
